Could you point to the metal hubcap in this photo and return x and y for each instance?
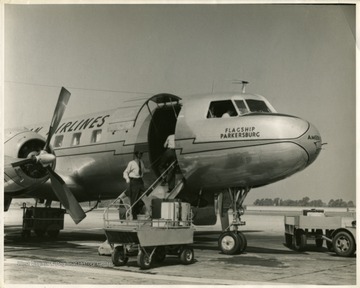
(188, 255)
(228, 242)
(343, 244)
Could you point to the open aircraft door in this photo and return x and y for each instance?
(164, 110)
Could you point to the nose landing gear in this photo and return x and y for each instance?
(232, 241)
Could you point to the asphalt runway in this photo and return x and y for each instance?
(73, 258)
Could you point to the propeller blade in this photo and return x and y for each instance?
(58, 113)
(23, 161)
(66, 197)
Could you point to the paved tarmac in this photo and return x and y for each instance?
(73, 258)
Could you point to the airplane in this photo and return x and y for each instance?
(226, 144)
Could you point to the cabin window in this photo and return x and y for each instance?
(241, 106)
(58, 141)
(96, 136)
(76, 139)
(257, 106)
(221, 109)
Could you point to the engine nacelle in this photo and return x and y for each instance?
(22, 144)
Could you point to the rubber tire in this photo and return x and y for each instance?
(118, 256)
(187, 256)
(160, 254)
(300, 240)
(229, 242)
(243, 242)
(143, 260)
(344, 244)
(288, 240)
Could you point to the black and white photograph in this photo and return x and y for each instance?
(179, 143)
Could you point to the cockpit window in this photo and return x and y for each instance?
(257, 106)
(241, 106)
(221, 109)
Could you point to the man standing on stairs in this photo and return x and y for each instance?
(169, 157)
(133, 175)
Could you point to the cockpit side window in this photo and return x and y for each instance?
(241, 106)
(257, 106)
(221, 109)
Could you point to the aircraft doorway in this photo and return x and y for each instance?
(162, 125)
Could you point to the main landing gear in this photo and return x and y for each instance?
(232, 241)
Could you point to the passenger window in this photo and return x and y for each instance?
(257, 106)
(241, 106)
(58, 141)
(96, 136)
(76, 139)
(221, 109)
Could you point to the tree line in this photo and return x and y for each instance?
(304, 202)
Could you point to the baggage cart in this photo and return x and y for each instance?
(169, 233)
(314, 224)
(42, 220)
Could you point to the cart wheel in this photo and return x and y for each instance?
(288, 240)
(143, 260)
(187, 255)
(243, 242)
(300, 240)
(160, 254)
(229, 242)
(39, 232)
(319, 241)
(118, 256)
(53, 233)
(344, 244)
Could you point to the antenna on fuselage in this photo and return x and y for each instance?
(241, 82)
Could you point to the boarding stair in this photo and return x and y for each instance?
(155, 190)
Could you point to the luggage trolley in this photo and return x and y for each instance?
(42, 220)
(312, 224)
(151, 237)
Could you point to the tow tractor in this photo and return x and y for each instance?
(312, 224)
(165, 230)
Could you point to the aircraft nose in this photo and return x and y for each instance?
(312, 143)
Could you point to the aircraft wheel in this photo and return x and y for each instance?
(118, 256)
(344, 244)
(160, 254)
(187, 255)
(288, 240)
(143, 260)
(300, 240)
(243, 242)
(229, 242)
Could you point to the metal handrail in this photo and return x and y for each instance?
(154, 184)
(112, 204)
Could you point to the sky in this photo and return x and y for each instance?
(300, 57)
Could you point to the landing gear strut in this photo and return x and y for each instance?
(232, 241)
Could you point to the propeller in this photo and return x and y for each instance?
(45, 158)
(66, 197)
